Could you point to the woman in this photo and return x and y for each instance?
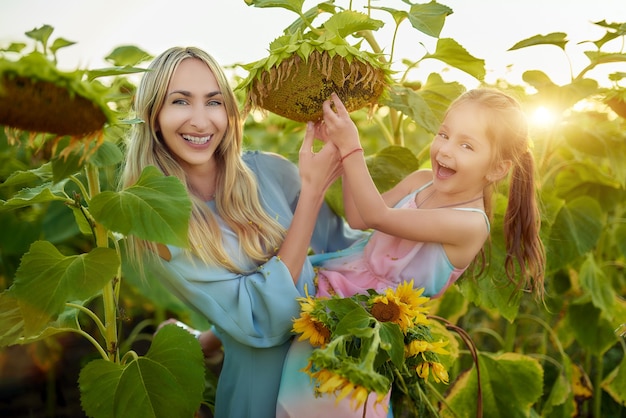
(253, 221)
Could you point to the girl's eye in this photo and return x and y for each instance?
(467, 146)
(443, 135)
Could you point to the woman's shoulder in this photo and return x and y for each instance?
(273, 171)
(264, 160)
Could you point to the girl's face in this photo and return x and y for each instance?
(461, 154)
(193, 119)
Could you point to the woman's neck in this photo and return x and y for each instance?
(203, 181)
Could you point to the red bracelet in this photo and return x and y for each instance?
(350, 153)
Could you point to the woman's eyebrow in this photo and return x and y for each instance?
(188, 93)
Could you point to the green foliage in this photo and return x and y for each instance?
(59, 283)
(152, 196)
(510, 384)
(166, 382)
(60, 250)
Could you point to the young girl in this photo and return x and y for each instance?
(430, 226)
(252, 222)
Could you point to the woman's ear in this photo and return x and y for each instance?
(499, 171)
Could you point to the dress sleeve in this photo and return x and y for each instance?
(255, 309)
(279, 175)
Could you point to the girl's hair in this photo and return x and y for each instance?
(237, 200)
(507, 129)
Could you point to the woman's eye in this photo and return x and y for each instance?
(179, 101)
(214, 103)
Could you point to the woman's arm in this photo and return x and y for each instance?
(317, 172)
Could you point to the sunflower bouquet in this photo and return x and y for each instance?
(366, 342)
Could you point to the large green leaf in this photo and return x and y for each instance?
(293, 5)
(11, 320)
(29, 177)
(429, 18)
(412, 104)
(452, 53)
(12, 323)
(511, 384)
(46, 280)
(47, 192)
(106, 155)
(348, 22)
(555, 38)
(493, 290)
(167, 382)
(615, 383)
(156, 208)
(593, 280)
(575, 231)
(392, 341)
(559, 98)
(592, 331)
(561, 396)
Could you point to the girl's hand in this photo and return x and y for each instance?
(337, 127)
(318, 170)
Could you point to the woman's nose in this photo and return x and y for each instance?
(199, 117)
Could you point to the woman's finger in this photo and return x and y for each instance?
(309, 135)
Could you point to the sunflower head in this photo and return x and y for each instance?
(302, 71)
(311, 329)
(388, 307)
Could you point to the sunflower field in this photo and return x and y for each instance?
(77, 323)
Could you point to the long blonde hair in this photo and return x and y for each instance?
(507, 129)
(236, 194)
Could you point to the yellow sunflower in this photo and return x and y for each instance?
(310, 328)
(402, 306)
(329, 382)
(413, 298)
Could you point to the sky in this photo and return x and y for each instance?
(234, 32)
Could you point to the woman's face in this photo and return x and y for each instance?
(193, 119)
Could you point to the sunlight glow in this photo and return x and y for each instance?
(543, 116)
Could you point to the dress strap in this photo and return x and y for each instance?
(479, 211)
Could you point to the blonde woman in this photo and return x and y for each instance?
(253, 222)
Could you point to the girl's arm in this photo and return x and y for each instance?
(446, 226)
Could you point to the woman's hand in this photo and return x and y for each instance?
(318, 169)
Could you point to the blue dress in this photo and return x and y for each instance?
(252, 313)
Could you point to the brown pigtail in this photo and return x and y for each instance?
(522, 223)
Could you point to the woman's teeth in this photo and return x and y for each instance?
(197, 140)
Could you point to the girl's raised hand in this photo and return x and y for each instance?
(337, 127)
